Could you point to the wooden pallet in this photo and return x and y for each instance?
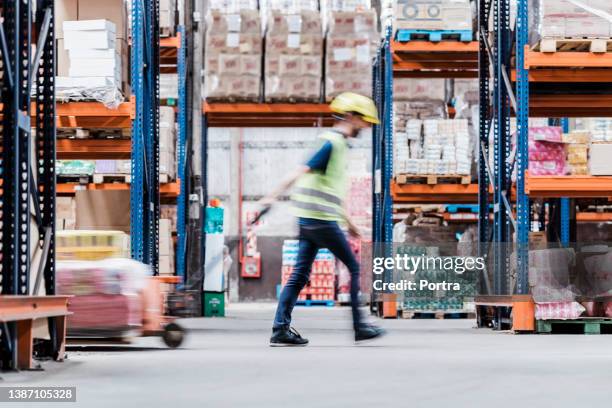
(73, 178)
(101, 178)
(584, 325)
(403, 35)
(595, 45)
(438, 314)
(432, 179)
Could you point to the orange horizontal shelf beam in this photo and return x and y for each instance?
(436, 47)
(568, 75)
(568, 186)
(435, 74)
(165, 190)
(267, 114)
(434, 193)
(434, 65)
(171, 42)
(570, 105)
(94, 149)
(567, 59)
(593, 217)
(91, 115)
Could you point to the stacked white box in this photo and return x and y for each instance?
(572, 19)
(167, 142)
(95, 63)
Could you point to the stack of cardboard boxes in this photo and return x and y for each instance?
(233, 46)
(166, 247)
(294, 55)
(92, 44)
(352, 38)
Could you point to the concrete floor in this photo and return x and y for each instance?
(421, 363)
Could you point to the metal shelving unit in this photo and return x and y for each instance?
(27, 55)
(525, 90)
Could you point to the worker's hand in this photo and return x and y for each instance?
(266, 201)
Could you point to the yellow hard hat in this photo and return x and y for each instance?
(350, 102)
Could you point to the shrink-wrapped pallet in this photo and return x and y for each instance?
(294, 54)
(352, 39)
(233, 48)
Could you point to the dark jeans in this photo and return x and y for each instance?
(313, 237)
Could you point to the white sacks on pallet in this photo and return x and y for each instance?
(352, 39)
(294, 55)
(233, 48)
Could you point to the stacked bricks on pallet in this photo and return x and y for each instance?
(321, 286)
(294, 52)
(233, 50)
(352, 39)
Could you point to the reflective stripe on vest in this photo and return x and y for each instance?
(318, 194)
(316, 207)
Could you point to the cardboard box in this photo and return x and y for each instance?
(599, 160)
(65, 10)
(96, 67)
(101, 39)
(103, 210)
(166, 246)
(112, 10)
(433, 15)
(166, 265)
(167, 164)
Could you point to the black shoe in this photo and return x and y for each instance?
(287, 338)
(368, 332)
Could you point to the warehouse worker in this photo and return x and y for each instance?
(318, 202)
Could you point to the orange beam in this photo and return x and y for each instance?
(171, 42)
(567, 59)
(570, 105)
(428, 65)
(436, 47)
(165, 190)
(94, 149)
(434, 193)
(593, 217)
(568, 75)
(267, 114)
(14, 308)
(568, 186)
(93, 115)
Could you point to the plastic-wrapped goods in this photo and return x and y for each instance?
(547, 155)
(294, 56)
(549, 274)
(432, 15)
(233, 48)
(570, 19)
(86, 245)
(352, 38)
(107, 295)
(558, 310)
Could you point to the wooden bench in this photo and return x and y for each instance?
(23, 310)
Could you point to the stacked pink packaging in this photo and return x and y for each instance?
(546, 151)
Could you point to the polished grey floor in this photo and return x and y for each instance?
(226, 362)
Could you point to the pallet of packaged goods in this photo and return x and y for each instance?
(438, 314)
(434, 20)
(351, 42)
(167, 143)
(432, 151)
(321, 287)
(233, 52)
(566, 25)
(293, 61)
(166, 18)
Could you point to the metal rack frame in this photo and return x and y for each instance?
(144, 187)
(24, 179)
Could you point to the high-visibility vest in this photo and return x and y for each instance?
(320, 195)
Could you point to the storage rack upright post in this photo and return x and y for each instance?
(525, 89)
(27, 54)
(412, 59)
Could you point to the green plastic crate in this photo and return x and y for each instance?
(213, 304)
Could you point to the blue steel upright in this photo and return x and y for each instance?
(144, 189)
(181, 205)
(387, 123)
(522, 151)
